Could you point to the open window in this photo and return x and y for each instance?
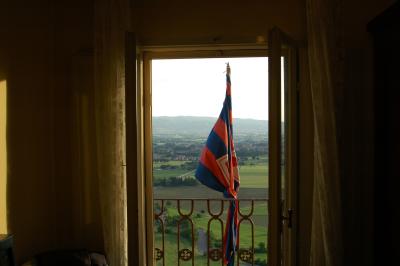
(283, 167)
(281, 163)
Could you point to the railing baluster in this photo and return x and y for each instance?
(185, 254)
(246, 255)
(160, 253)
(214, 253)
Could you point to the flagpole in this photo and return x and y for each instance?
(231, 178)
(232, 204)
(217, 167)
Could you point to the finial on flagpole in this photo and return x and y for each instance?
(228, 69)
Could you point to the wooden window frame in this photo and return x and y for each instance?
(144, 56)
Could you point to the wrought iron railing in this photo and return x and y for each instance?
(170, 216)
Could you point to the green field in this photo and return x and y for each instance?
(254, 174)
(159, 173)
(253, 185)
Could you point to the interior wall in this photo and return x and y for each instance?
(207, 21)
(27, 53)
(356, 132)
(38, 41)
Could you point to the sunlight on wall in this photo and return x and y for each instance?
(3, 158)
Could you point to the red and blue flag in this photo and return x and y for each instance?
(218, 170)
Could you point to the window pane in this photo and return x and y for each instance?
(187, 97)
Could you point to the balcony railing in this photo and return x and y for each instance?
(181, 225)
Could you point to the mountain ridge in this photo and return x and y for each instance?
(200, 125)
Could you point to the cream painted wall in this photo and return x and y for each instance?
(3, 158)
(26, 53)
(38, 43)
(224, 21)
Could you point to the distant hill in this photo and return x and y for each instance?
(191, 125)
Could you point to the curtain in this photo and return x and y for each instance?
(326, 77)
(86, 230)
(111, 20)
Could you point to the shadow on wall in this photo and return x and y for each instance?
(45, 209)
(31, 200)
(36, 60)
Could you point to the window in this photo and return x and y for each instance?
(166, 161)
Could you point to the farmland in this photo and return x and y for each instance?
(175, 158)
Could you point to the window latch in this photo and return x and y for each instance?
(288, 218)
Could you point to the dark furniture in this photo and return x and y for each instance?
(6, 251)
(385, 30)
(79, 257)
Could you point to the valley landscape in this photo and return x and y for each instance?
(177, 144)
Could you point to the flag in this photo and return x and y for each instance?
(218, 170)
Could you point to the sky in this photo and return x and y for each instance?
(196, 87)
